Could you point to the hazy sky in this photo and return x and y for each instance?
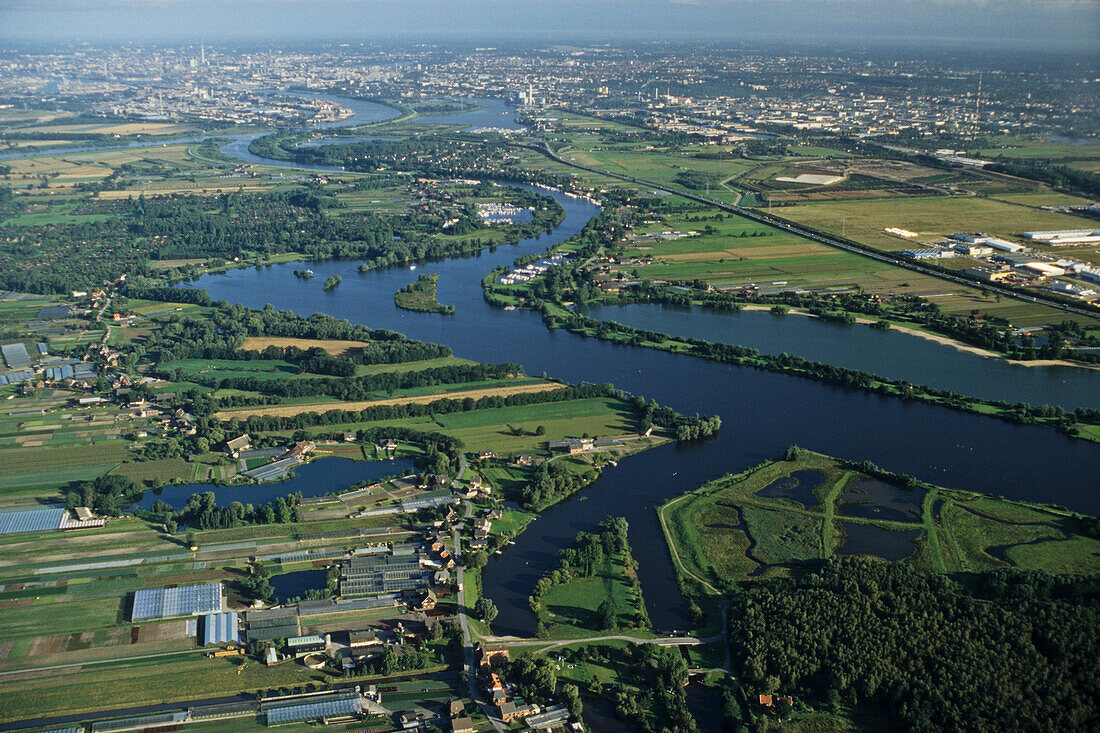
(1025, 22)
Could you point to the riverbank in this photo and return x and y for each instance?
(1079, 425)
(944, 340)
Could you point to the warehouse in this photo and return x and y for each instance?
(188, 600)
(1065, 237)
(220, 628)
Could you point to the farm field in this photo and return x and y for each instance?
(932, 217)
(458, 394)
(770, 519)
(514, 429)
(741, 251)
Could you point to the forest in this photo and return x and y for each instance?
(1006, 650)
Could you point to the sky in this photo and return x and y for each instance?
(1020, 23)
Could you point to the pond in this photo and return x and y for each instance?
(316, 478)
(873, 499)
(867, 539)
(297, 584)
(799, 486)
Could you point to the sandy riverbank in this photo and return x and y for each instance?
(946, 341)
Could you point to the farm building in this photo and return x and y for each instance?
(220, 628)
(165, 721)
(16, 355)
(276, 623)
(189, 600)
(327, 708)
(305, 644)
(26, 519)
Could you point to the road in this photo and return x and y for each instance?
(467, 636)
(831, 241)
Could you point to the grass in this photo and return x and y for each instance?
(711, 547)
(420, 296)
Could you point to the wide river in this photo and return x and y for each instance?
(762, 413)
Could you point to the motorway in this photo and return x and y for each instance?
(829, 240)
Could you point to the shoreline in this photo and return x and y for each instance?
(946, 341)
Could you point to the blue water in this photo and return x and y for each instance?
(492, 113)
(892, 353)
(316, 478)
(762, 414)
(296, 584)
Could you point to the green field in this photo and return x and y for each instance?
(726, 532)
(572, 607)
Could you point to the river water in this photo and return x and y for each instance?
(892, 353)
(762, 413)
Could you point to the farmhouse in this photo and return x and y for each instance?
(236, 445)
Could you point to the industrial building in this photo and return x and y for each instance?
(1065, 237)
(188, 600)
(982, 238)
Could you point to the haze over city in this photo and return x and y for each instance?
(1027, 23)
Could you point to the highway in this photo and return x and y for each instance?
(831, 241)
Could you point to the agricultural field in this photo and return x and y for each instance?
(453, 392)
(771, 519)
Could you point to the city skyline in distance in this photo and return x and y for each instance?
(1071, 24)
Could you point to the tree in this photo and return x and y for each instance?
(571, 696)
(479, 559)
(485, 609)
(608, 617)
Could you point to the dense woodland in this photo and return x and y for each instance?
(1007, 650)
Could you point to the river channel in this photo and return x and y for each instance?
(762, 413)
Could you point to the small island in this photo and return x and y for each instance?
(420, 296)
(331, 283)
(304, 274)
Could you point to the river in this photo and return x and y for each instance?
(762, 413)
(893, 353)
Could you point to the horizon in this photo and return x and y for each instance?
(976, 24)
